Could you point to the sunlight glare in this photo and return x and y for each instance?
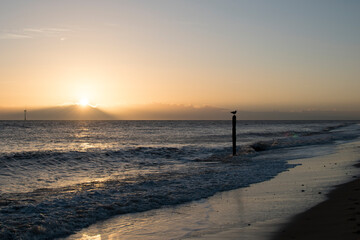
(84, 102)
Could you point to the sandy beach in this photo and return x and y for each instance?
(315, 183)
(261, 211)
(336, 218)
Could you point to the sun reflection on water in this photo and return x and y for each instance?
(87, 237)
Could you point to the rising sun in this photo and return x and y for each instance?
(84, 102)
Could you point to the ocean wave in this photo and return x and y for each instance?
(321, 138)
(279, 139)
(296, 140)
(57, 212)
(42, 156)
(53, 212)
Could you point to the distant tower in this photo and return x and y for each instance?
(25, 115)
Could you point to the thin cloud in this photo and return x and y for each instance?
(14, 36)
(29, 33)
(47, 32)
(33, 30)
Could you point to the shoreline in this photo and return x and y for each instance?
(336, 218)
(256, 212)
(295, 193)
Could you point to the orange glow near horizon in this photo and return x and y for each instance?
(113, 54)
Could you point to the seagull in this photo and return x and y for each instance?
(234, 112)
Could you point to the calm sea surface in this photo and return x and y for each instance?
(57, 177)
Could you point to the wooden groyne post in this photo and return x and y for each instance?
(234, 132)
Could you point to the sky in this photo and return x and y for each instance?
(249, 55)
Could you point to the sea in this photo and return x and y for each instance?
(58, 177)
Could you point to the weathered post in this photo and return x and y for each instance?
(25, 115)
(234, 132)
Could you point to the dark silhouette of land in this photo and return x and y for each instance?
(68, 112)
(166, 112)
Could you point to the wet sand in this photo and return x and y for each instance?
(336, 218)
(297, 192)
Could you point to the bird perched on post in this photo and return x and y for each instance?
(234, 112)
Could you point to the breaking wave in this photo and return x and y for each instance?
(134, 179)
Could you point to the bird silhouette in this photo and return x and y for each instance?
(234, 112)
